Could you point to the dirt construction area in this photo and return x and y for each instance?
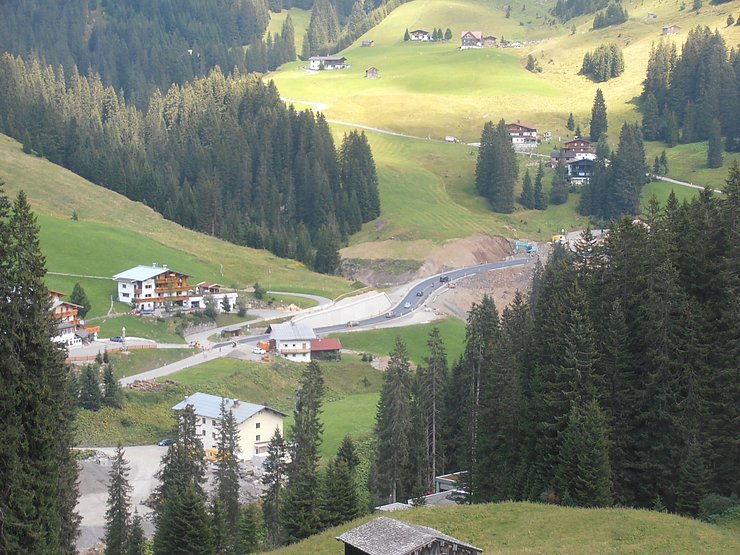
(144, 462)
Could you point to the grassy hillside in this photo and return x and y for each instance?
(527, 528)
(114, 234)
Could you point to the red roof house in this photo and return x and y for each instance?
(325, 348)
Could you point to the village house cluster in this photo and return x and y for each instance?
(578, 156)
(70, 328)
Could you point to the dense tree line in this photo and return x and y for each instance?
(335, 24)
(38, 471)
(497, 170)
(273, 52)
(568, 9)
(605, 62)
(615, 382)
(614, 14)
(136, 46)
(684, 94)
(222, 155)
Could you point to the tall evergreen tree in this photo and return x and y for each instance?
(79, 297)
(38, 493)
(248, 538)
(392, 429)
(299, 512)
(111, 390)
(339, 502)
(650, 118)
(571, 124)
(118, 514)
(90, 396)
(599, 123)
(184, 527)
(527, 198)
(540, 200)
(496, 169)
(559, 190)
(714, 145)
(272, 498)
(136, 540)
(227, 471)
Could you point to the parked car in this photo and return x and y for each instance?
(390, 315)
(165, 442)
(444, 279)
(407, 305)
(117, 339)
(420, 293)
(258, 351)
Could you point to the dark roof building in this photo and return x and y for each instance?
(387, 536)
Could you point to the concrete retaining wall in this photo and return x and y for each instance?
(355, 308)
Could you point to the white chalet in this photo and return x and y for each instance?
(523, 136)
(327, 62)
(291, 340)
(256, 423)
(149, 287)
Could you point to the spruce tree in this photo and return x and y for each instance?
(650, 118)
(559, 190)
(249, 533)
(527, 198)
(90, 396)
(136, 540)
(38, 493)
(571, 124)
(111, 389)
(714, 145)
(599, 123)
(540, 200)
(299, 512)
(184, 527)
(392, 429)
(496, 169)
(272, 498)
(79, 297)
(118, 514)
(406, 36)
(339, 502)
(227, 471)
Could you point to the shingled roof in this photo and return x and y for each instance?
(388, 536)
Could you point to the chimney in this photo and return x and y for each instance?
(236, 404)
(154, 264)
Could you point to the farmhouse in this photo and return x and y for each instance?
(327, 62)
(421, 35)
(326, 348)
(671, 30)
(291, 340)
(150, 287)
(367, 43)
(206, 290)
(523, 136)
(580, 148)
(471, 39)
(372, 72)
(388, 536)
(561, 157)
(489, 41)
(256, 423)
(71, 330)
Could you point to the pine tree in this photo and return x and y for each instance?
(272, 499)
(227, 472)
(540, 200)
(184, 526)
(571, 124)
(406, 36)
(559, 190)
(392, 429)
(111, 389)
(583, 470)
(578, 131)
(90, 396)
(79, 297)
(496, 169)
(299, 512)
(650, 118)
(248, 536)
(599, 123)
(136, 540)
(448, 34)
(339, 494)
(118, 514)
(38, 493)
(714, 146)
(527, 198)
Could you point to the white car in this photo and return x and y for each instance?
(407, 305)
(258, 351)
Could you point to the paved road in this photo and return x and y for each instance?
(682, 183)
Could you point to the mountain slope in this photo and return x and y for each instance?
(114, 233)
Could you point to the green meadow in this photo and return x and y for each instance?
(382, 341)
(352, 389)
(529, 528)
(141, 360)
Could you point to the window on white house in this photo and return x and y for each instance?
(123, 286)
(213, 435)
(204, 432)
(204, 421)
(124, 295)
(257, 425)
(257, 438)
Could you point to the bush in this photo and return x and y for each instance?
(713, 507)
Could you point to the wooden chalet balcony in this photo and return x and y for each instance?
(168, 288)
(295, 351)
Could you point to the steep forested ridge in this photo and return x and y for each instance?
(136, 45)
(222, 155)
(616, 382)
